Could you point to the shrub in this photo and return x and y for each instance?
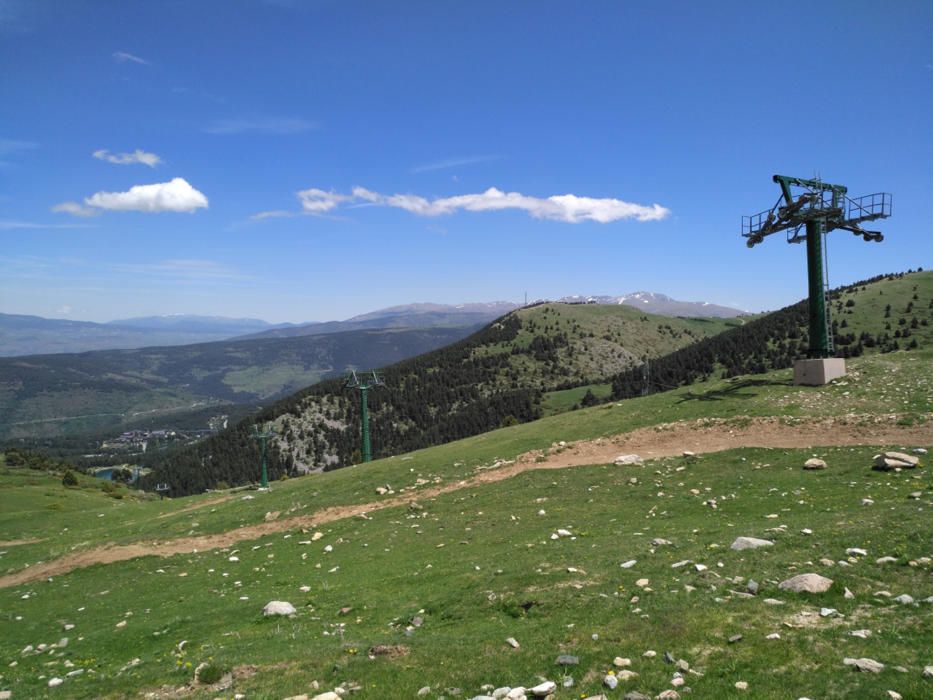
(69, 478)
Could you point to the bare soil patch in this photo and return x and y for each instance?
(198, 505)
(666, 440)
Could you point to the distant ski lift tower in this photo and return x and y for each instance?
(808, 210)
(364, 384)
(262, 436)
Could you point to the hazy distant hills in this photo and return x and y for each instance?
(43, 396)
(190, 323)
(407, 316)
(654, 303)
(34, 335)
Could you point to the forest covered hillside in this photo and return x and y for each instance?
(505, 373)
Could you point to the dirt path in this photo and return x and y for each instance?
(666, 440)
(13, 543)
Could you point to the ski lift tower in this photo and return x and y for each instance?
(262, 436)
(808, 210)
(364, 384)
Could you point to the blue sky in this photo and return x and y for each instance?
(295, 161)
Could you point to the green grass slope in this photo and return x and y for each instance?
(478, 565)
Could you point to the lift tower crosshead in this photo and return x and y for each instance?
(816, 209)
(364, 384)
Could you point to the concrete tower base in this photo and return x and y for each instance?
(820, 371)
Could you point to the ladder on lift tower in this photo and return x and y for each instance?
(827, 302)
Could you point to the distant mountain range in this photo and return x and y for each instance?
(654, 303)
(34, 335)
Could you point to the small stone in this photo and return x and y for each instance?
(668, 695)
(626, 675)
(886, 560)
(773, 635)
(928, 671)
(915, 495)
(814, 463)
(856, 552)
(55, 682)
(425, 691)
(669, 658)
(828, 612)
(700, 567)
(660, 542)
(861, 634)
(629, 564)
(682, 666)
(610, 682)
(329, 695)
(864, 664)
(619, 662)
(278, 607)
(544, 689)
(806, 583)
(894, 695)
(567, 660)
(628, 459)
(741, 685)
(749, 543)
(904, 599)
(650, 654)
(633, 695)
(752, 586)
(735, 638)
(848, 595)
(642, 582)
(512, 642)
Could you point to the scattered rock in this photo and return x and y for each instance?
(806, 583)
(619, 662)
(885, 560)
(628, 459)
(660, 542)
(278, 607)
(626, 675)
(928, 671)
(544, 689)
(856, 552)
(635, 695)
(567, 660)
(668, 695)
(864, 664)
(894, 695)
(741, 685)
(888, 461)
(55, 682)
(752, 586)
(512, 642)
(642, 582)
(629, 564)
(735, 638)
(610, 681)
(905, 599)
(329, 695)
(861, 634)
(749, 543)
(814, 463)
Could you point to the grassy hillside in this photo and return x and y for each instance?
(67, 394)
(884, 314)
(495, 377)
(542, 360)
(394, 597)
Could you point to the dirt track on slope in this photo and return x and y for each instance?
(665, 440)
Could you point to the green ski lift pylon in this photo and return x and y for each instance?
(262, 436)
(369, 381)
(816, 209)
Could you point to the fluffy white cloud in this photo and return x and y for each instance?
(137, 156)
(123, 57)
(568, 208)
(316, 201)
(75, 209)
(176, 195)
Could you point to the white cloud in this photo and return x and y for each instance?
(316, 201)
(75, 209)
(123, 57)
(453, 163)
(187, 269)
(274, 214)
(137, 156)
(176, 195)
(7, 225)
(569, 208)
(269, 125)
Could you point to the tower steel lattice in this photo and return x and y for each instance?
(816, 209)
(364, 383)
